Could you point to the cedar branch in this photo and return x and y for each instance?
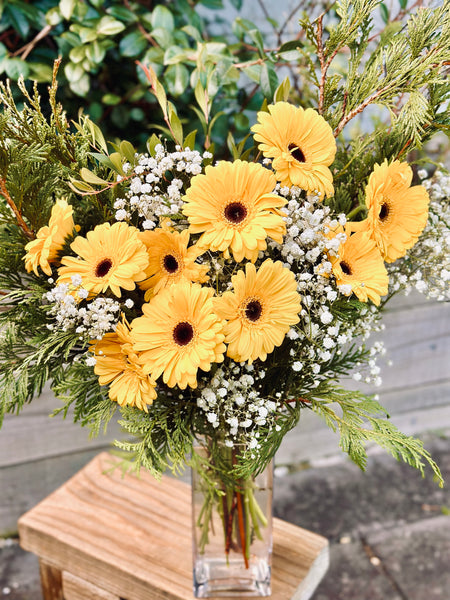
(4, 192)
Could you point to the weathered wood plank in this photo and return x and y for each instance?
(94, 523)
(78, 589)
(51, 582)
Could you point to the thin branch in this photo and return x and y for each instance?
(323, 67)
(4, 192)
(249, 63)
(25, 50)
(343, 122)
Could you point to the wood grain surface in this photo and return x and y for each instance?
(131, 537)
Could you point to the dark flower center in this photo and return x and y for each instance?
(384, 212)
(296, 153)
(103, 267)
(345, 268)
(170, 263)
(235, 212)
(253, 310)
(183, 333)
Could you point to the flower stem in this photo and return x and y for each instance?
(242, 529)
(355, 212)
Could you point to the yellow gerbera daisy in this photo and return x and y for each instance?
(233, 204)
(170, 260)
(110, 256)
(50, 239)
(260, 311)
(178, 334)
(117, 366)
(360, 266)
(397, 213)
(301, 144)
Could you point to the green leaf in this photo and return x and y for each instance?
(97, 135)
(133, 44)
(73, 72)
(80, 186)
(91, 177)
(289, 46)
(77, 54)
(87, 34)
(128, 151)
(122, 13)
(109, 26)
(81, 87)
(3, 51)
(163, 37)
(152, 142)
(40, 72)
(111, 99)
(17, 19)
(241, 121)
(268, 80)
(283, 90)
(116, 160)
(95, 52)
(189, 140)
(177, 78)
(193, 32)
(15, 67)
(175, 123)
(67, 7)
(162, 17)
(175, 54)
(384, 12)
(257, 38)
(403, 4)
(53, 16)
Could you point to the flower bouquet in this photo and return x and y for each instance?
(211, 301)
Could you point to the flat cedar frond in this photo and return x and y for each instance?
(357, 412)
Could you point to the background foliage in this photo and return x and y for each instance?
(187, 41)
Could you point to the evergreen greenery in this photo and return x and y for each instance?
(343, 68)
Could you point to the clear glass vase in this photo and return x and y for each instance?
(232, 531)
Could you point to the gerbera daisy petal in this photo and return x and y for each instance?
(260, 311)
(301, 144)
(117, 365)
(44, 250)
(360, 266)
(170, 260)
(397, 213)
(225, 202)
(111, 256)
(179, 333)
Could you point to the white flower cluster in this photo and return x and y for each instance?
(308, 243)
(149, 194)
(91, 321)
(426, 267)
(230, 401)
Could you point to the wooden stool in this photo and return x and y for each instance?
(102, 536)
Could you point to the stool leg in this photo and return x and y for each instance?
(51, 582)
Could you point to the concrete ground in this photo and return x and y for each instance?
(389, 529)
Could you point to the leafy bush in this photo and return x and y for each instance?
(101, 44)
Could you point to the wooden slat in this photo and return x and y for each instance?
(132, 537)
(78, 589)
(51, 582)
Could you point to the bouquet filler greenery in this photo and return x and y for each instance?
(212, 301)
